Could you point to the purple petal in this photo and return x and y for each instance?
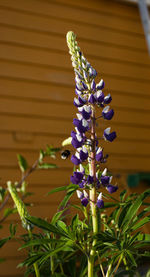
(108, 115)
(100, 204)
(110, 137)
(105, 180)
(99, 156)
(107, 99)
(90, 179)
(75, 143)
(93, 85)
(111, 188)
(77, 177)
(92, 99)
(100, 97)
(85, 114)
(100, 85)
(83, 155)
(84, 202)
(82, 184)
(84, 86)
(75, 160)
(82, 100)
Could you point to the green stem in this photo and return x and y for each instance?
(37, 273)
(109, 270)
(92, 167)
(52, 264)
(125, 263)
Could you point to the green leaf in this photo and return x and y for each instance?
(131, 258)
(123, 194)
(51, 253)
(40, 242)
(12, 229)
(67, 141)
(3, 241)
(65, 200)
(133, 210)
(123, 213)
(57, 216)
(62, 225)
(31, 260)
(9, 211)
(75, 222)
(47, 166)
(142, 244)
(57, 190)
(43, 224)
(141, 223)
(22, 163)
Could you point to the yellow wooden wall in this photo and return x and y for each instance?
(37, 90)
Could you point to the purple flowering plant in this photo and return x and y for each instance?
(89, 154)
(93, 242)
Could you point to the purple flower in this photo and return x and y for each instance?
(109, 136)
(84, 85)
(99, 96)
(77, 140)
(100, 202)
(111, 188)
(107, 99)
(78, 92)
(77, 177)
(90, 179)
(85, 199)
(85, 111)
(107, 114)
(84, 202)
(80, 194)
(76, 159)
(93, 85)
(82, 100)
(82, 125)
(77, 103)
(100, 85)
(99, 154)
(82, 184)
(105, 180)
(83, 154)
(92, 72)
(79, 87)
(92, 99)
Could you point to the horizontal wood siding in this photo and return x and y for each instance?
(37, 91)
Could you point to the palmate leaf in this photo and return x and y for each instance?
(31, 260)
(123, 213)
(58, 215)
(41, 242)
(132, 210)
(123, 194)
(43, 224)
(136, 220)
(65, 200)
(141, 223)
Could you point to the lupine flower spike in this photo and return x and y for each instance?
(87, 151)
